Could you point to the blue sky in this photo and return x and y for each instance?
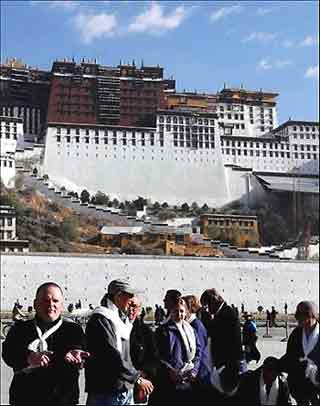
(261, 44)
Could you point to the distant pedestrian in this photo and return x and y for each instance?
(250, 338)
(268, 318)
(273, 317)
(285, 308)
(242, 308)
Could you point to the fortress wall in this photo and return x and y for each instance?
(161, 174)
(252, 282)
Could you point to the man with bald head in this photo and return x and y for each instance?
(45, 354)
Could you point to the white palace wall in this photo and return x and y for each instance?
(85, 277)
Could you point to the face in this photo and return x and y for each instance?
(305, 319)
(134, 309)
(49, 304)
(178, 313)
(122, 301)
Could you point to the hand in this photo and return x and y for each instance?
(39, 359)
(145, 386)
(76, 357)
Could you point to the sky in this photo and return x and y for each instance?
(204, 45)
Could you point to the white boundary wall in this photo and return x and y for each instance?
(85, 277)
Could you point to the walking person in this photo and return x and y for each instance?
(45, 354)
(110, 375)
(250, 338)
(179, 358)
(302, 358)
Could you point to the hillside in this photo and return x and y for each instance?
(49, 226)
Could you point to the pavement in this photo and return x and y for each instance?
(267, 346)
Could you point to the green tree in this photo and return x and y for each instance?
(115, 203)
(69, 228)
(205, 208)
(194, 206)
(165, 205)
(101, 198)
(185, 207)
(84, 196)
(156, 206)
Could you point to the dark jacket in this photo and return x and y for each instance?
(249, 393)
(225, 333)
(172, 351)
(299, 385)
(143, 348)
(107, 370)
(56, 384)
(204, 366)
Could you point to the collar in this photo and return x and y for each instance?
(45, 325)
(219, 308)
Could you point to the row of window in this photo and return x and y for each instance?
(5, 222)
(7, 136)
(304, 128)
(185, 120)
(105, 133)
(303, 147)
(105, 140)
(228, 223)
(252, 144)
(6, 164)
(270, 154)
(305, 136)
(182, 129)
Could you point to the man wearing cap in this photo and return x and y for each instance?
(110, 375)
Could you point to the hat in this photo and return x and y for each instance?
(120, 285)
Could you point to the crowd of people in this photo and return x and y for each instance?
(197, 354)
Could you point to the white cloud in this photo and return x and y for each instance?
(224, 12)
(312, 72)
(95, 26)
(259, 36)
(153, 20)
(267, 64)
(309, 41)
(64, 4)
(287, 43)
(263, 11)
(264, 64)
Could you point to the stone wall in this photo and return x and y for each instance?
(85, 277)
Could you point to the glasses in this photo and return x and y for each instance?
(134, 306)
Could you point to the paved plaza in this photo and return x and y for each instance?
(267, 347)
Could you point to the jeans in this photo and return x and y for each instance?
(110, 399)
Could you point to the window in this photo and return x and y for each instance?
(168, 127)
(77, 139)
(68, 138)
(77, 131)
(58, 138)
(105, 139)
(302, 156)
(229, 116)
(86, 140)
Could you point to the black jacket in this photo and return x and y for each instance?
(249, 393)
(143, 348)
(107, 370)
(225, 333)
(56, 384)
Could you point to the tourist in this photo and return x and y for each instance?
(224, 332)
(143, 348)
(193, 306)
(17, 313)
(264, 386)
(170, 300)
(45, 354)
(110, 375)
(202, 385)
(250, 338)
(302, 358)
(179, 357)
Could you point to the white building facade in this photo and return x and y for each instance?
(189, 156)
(11, 128)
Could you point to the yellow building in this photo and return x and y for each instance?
(240, 230)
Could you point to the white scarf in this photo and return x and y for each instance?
(216, 382)
(40, 344)
(122, 329)
(188, 338)
(272, 398)
(192, 317)
(308, 344)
